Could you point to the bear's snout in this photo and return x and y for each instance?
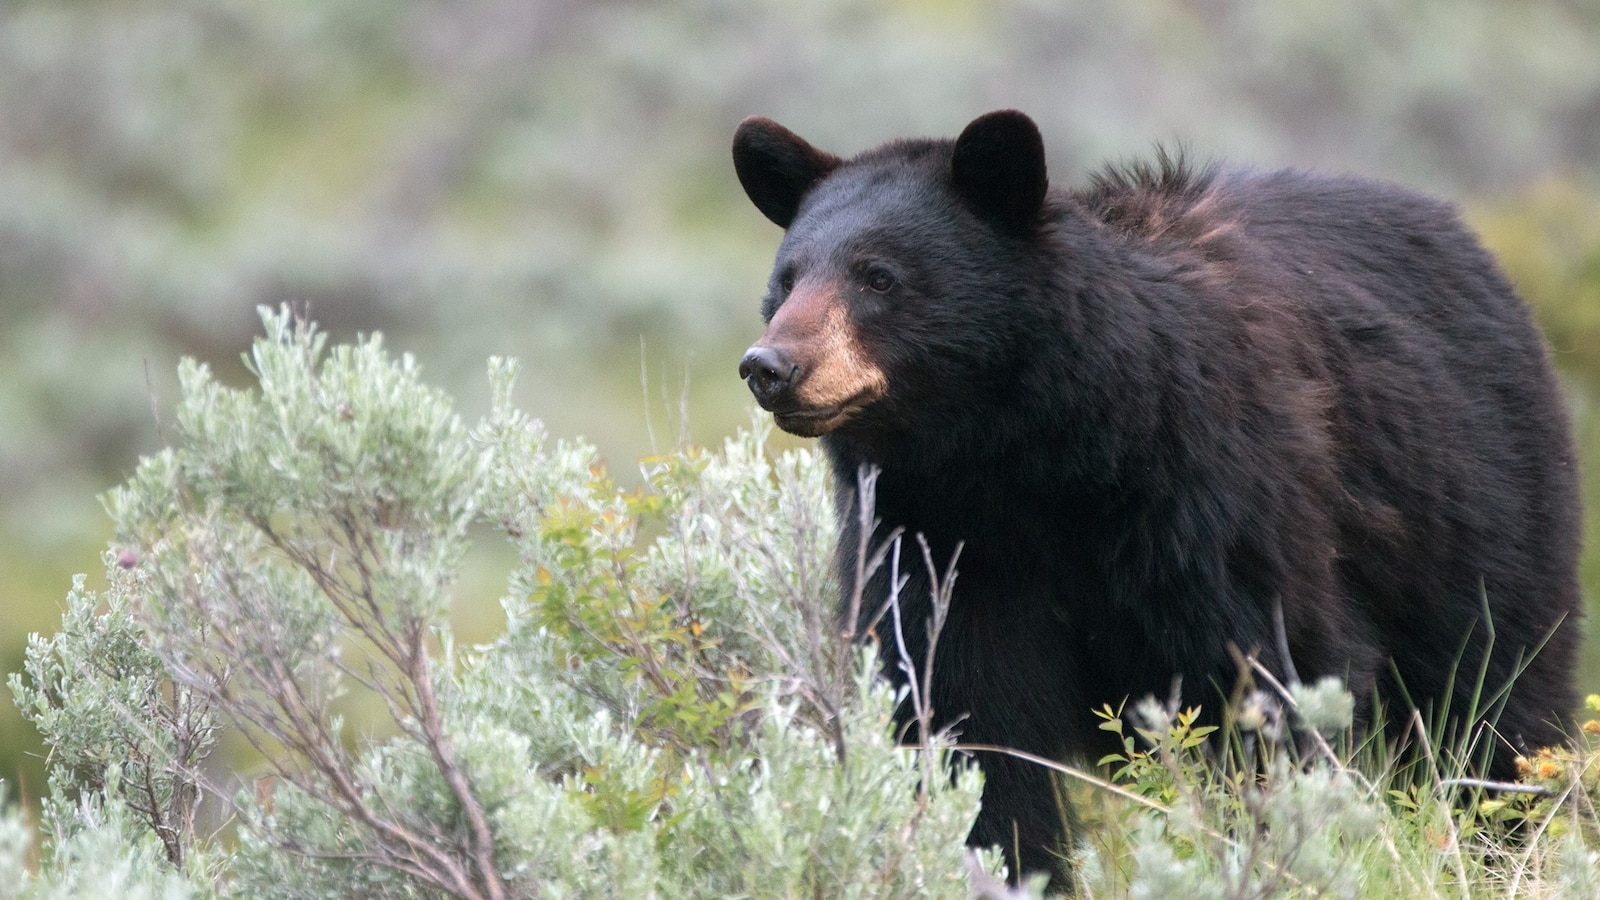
(769, 372)
(809, 369)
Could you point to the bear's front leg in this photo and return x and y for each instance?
(1026, 816)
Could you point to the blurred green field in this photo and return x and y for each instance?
(550, 180)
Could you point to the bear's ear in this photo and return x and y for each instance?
(998, 168)
(777, 167)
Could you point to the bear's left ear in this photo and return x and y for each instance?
(777, 167)
(998, 168)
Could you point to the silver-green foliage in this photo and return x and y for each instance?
(668, 712)
(116, 725)
(102, 848)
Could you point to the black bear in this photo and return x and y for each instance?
(1157, 410)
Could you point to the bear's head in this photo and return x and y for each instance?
(895, 284)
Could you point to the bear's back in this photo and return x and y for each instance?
(1457, 483)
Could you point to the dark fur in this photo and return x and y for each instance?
(1157, 406)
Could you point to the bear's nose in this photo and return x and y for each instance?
(768, 371)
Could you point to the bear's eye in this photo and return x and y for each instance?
(880, 281)
(786, 282)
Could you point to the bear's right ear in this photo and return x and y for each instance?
(777, 167)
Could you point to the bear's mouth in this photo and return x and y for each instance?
(816, 420)
(813, 422)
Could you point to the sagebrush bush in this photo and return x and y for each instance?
(668, 713)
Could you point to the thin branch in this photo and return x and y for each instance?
(1456, 859)
(443, 753)
(940, 592)
(1505, 787)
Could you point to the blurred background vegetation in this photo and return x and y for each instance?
(549, 179)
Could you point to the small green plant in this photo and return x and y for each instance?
(1161, 755)
(1279, 802)
(1261, 828)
